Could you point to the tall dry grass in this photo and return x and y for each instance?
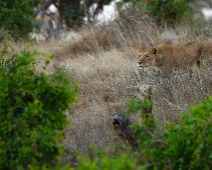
(103, 59)
(107, 82)
(109, 77)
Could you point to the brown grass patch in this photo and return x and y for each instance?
(106, 84)
(108, 75)
(104, 61)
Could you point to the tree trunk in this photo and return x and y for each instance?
(70, 12)
(121, 124)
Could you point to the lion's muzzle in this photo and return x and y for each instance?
(140, 64)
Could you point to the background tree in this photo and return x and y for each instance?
(165, 11)
(21, 12)
(72, 12)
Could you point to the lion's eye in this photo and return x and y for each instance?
(146, 56)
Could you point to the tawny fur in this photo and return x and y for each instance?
(170, 57)
(206, 48)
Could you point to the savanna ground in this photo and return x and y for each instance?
(103, 59)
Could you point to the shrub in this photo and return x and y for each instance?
(32, 110)
(163, 11)
(123, 162)
(186, 145)
(168, 11)
(21, 13)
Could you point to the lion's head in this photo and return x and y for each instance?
(147, 58)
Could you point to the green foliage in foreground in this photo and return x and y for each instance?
(186, 145)
(32, 110)
(122, 162)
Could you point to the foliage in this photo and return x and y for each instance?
(165, 11)
(105, 161)
(121, 162)
(74, 11)
(186, 145)
(21, 12)
(168, 11)
(32, 110)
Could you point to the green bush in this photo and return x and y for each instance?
(32, 110)
(186, 145)
(21, 12)
(162, 11)
(122, 162)
(169, 11)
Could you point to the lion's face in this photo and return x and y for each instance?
(147, 58)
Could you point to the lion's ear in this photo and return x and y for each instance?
(153, 50)
(139, 50)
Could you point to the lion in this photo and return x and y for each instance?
(170, 57)
(206, 49)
